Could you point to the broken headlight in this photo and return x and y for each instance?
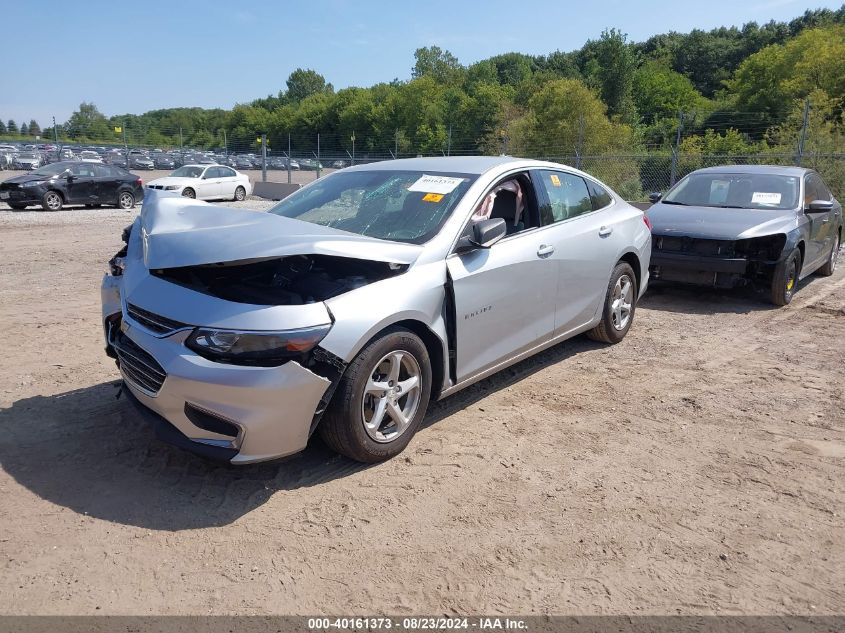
(264, 349)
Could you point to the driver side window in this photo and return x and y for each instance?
(512, 199)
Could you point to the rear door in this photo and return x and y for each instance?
(228, 181)
(106, 183)
(581, 226)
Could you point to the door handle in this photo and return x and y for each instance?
(605, 231)
(545, 250)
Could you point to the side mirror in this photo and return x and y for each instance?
(819, 206)
(487, 232)
(67, 174)
(655, 196)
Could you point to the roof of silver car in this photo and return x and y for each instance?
(778, 170)
(455, 164)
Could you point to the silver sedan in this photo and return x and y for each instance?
(357, 300)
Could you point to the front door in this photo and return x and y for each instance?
(821, 227)
(209, 185)
(80, 188)
(504, 300)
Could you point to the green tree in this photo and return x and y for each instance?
(437, 63)
(24, 129)
(304, 83)
(88, 122)
(659, 92)
(12, 127)
(2, 127)
(34, 128)
(769, 81)
(611, 61)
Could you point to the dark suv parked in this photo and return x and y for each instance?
(70, 182)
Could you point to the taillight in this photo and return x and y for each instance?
(140, 182)
(647, 222)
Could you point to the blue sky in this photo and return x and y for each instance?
(142, 55)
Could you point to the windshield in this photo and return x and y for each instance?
(740, 191)
(188, 171)
(52, 170)
(404, 206)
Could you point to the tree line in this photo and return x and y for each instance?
(730, 90)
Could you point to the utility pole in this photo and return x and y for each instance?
(289, 159)
(803, 138)
(449, 142)
(396, 143)
(181, 148)
(579, 149)
(673, 175)
(318, 154)
(263, 158)
(125, 145)
(353, 147)
(225, 144)
(56, 137)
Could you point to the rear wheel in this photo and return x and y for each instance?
(187, 192)
(125, 200)
(620, 302)
(381, 399)
(785, 278)
(830, 265)
(52, 201)
(240, 194)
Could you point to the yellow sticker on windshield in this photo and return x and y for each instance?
(555, 180)
(433, 197)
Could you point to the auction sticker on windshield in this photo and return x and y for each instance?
(761, 197)
(433, 197)
(436, 184)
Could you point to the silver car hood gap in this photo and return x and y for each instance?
(180, 232)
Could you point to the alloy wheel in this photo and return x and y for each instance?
(622, 302)
(125, 201)
(391, 396)
(54, 201)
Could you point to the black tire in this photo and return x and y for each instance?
(342, 428)
(240, 194)
(17, 207)
(830, 265)
(125, 200)
(608, 330)
(187, 192)
(785, 279)
(52, 201)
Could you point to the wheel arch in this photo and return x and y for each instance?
(633, 260)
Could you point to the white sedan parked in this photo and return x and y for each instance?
(205, 182)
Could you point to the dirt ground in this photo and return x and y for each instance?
(695, 468)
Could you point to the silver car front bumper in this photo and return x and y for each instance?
(273, 407)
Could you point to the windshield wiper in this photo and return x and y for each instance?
(683, 204)
(730, 206)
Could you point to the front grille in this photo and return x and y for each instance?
(695, 246)
(138, 367)
(153, 322)
(155, 186)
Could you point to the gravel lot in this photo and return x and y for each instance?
(697, 467)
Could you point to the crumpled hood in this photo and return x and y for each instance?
(717, 223)
(177, 232)
(26, 178)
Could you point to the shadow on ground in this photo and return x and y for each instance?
(92, 453)
(688, 299)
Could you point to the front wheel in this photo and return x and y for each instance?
(381, 399)
(125, 200)
(620, 302)
(785, 278)
(240, 194)
(187, 192)
(52, 201)
(830, 265)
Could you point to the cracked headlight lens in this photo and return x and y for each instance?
(255, 348)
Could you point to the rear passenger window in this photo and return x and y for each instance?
(568, 196)
(601, 198)
(225, 172)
